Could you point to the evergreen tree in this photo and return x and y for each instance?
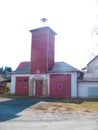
(7, 70)
(1, 70)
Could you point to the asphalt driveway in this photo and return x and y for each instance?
(10, 109)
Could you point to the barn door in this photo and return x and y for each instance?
(60, 85)
(22, 84)
(39, 88)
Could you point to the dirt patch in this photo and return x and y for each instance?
(53, 107)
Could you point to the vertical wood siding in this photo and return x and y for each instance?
(42, 50)
(22, 85)
(60, 85)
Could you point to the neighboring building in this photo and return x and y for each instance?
(42, 76)
(88, 86)
(3, 85)
(92, 69)
(92, 66)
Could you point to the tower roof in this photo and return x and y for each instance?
(45, 27)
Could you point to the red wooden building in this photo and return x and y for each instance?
(42, 76)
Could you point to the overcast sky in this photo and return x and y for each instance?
(73, 20)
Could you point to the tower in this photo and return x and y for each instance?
(42, 50)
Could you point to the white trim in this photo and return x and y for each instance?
(34, 92)
(21, 75)
(48, 84)
(74, 85)
(37, 77)
(13, 82)
(63, 73)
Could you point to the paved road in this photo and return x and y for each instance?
(16, 115)
(64, 125)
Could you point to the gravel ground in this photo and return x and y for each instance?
(20, 111)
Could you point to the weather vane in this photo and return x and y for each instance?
(44, 20)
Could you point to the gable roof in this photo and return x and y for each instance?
(93, 59)
(23, 68)
(62, 67)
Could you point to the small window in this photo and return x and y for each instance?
(25, 80)
(96, 67)
(93, 91)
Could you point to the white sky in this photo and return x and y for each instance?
(73, 21)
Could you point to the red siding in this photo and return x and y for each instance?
(39, 52)
(51, 51)
(22, 84)
(60, 85)
(42, 50)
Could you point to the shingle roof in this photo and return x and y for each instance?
(23, 68)
(61, 67)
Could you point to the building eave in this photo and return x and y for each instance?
(45, 27)
(88, 80)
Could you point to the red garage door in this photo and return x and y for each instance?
(60, 85)
(22, 84)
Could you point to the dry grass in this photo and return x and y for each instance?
(52, 107)
(12, 96)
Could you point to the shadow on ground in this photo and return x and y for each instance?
(10, 108)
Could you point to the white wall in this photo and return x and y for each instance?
(74, 85)
(83, 88)
(13, 81)
(13, 84)
(38, 76)
(92, 67)
(90, 75)
(73, 82)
